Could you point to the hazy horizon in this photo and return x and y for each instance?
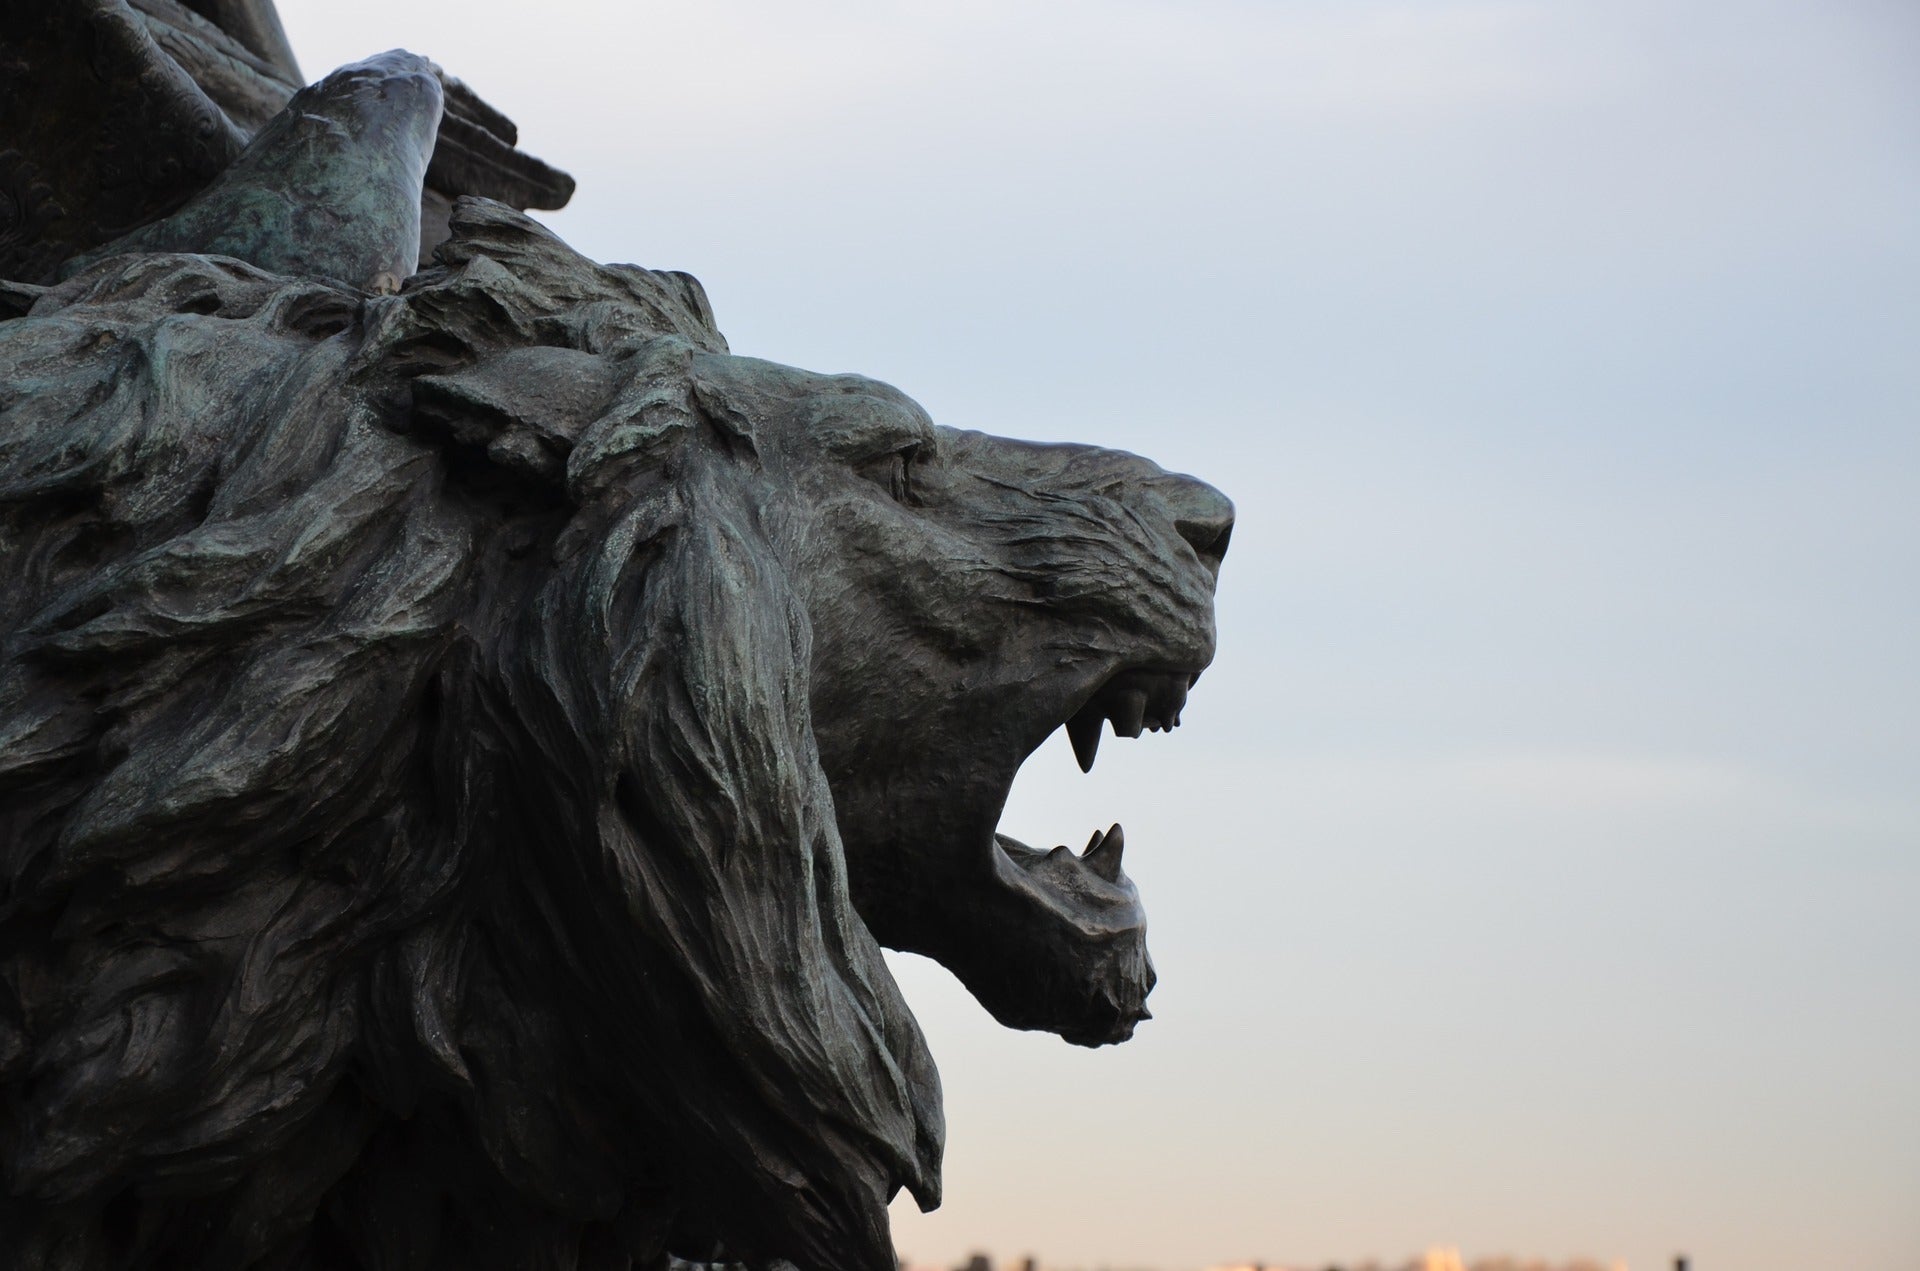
(1437, 1258)
(1536, 869)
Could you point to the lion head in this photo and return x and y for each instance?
(461, 752)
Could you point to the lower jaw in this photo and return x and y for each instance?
(1080, 963)
(1036, 956)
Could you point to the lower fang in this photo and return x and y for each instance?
(1103, 854)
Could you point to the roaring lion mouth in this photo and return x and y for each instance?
(1133, 702)
(1087, 897)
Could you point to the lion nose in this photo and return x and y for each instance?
(1203, 516)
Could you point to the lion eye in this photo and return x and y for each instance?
(893, 472)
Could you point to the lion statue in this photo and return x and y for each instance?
(462, 751)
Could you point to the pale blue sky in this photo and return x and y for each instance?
(1539, 867)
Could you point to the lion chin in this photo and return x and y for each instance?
(462, 751)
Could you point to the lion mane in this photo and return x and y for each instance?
(414, 843)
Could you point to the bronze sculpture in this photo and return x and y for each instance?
(465, 736)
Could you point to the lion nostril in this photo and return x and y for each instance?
(1209, 538)
(1204, 517)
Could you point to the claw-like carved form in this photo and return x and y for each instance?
(329, 188)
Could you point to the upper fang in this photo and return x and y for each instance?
(1083, 730)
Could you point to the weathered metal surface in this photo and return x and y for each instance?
(462, 750)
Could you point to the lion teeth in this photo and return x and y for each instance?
(1083, 730)
(1135, 701)
(1169, 695)
(1103, 853)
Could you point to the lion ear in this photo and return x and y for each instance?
(579, 425)
(520, 407)
(799, 1083)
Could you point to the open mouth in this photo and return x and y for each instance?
(1092, 983)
